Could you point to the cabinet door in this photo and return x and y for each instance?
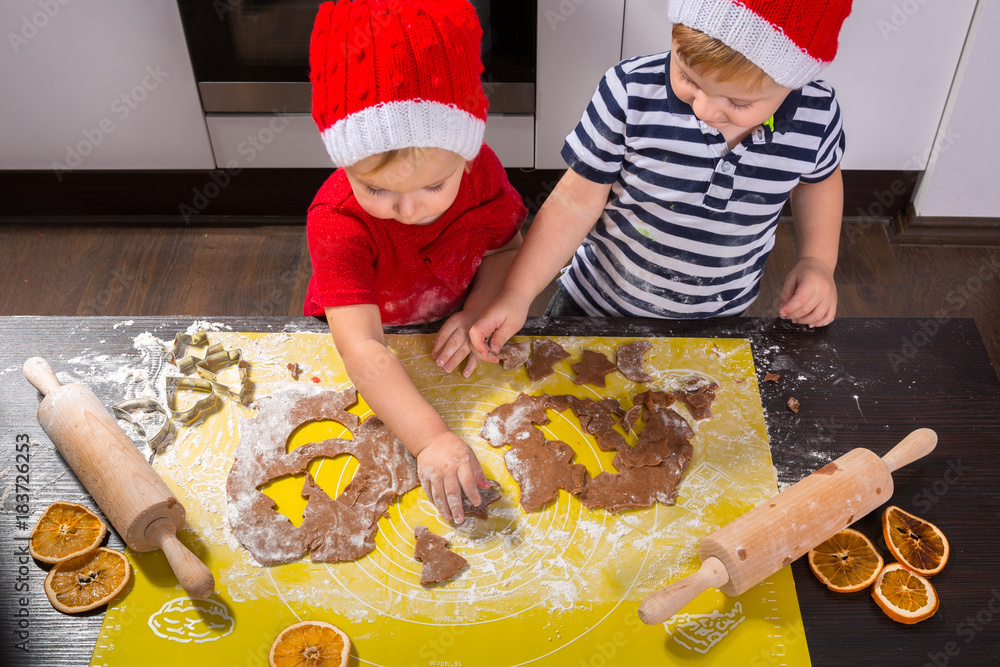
(578, 41)
(104, 84)
(895, 65)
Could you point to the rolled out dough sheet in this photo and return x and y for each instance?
(559, 586)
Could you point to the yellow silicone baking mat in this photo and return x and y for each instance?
(558, 586)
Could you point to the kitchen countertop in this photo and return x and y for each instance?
(860, 382)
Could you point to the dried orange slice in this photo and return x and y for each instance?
(87, 581)
(310, 644)
(903, 595)
(917, 544)
(847, 562)
(65, 530)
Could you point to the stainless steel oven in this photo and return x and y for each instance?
(251, 59)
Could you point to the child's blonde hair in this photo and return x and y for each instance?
(388, 158)
(707, 55)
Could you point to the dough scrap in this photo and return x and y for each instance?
(488, 495)
(544, 355)
(592, 368)
(514, 354)
(698, 396)
(628, 357)
(332, 529)
(439, 561)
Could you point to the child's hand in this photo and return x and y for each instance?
(452, 343)
(498, 322)
(809, 295)
(447, 467)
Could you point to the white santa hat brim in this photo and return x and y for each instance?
(402, 124)
(745, 31)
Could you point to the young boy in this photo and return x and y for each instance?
(420, 222)
(683, 160)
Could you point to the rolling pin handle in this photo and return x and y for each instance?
(192, 574)
(660, 605)
(916, 445)
(41, 375)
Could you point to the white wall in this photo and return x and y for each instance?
(98, 84)
(892, 74)
(963, 179)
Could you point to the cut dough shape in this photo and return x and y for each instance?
(629, 360)
(514, 354)
(488, 495)
(439, 561)
(592, 368)
(332, 529)
(698, 396)
(544, 355)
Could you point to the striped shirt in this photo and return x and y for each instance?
(689, 223)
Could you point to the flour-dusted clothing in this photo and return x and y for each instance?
(414, 273)
(689, 223)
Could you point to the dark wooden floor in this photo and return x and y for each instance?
(264, 270)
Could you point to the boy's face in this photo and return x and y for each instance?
(412, 190)
(724, 105)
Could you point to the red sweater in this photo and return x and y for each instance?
(414, 273)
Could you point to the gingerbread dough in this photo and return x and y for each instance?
(544, 355)
(514, 354)
(648, 471)
(592, 368)
(629, 360)
(439, 561)
(332, 529)
(488, 495)
(698, 397)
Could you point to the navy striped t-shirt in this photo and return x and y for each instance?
(689, 223)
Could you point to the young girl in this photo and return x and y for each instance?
(420, 222)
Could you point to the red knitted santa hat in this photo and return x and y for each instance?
(391, 74)
(791, 40)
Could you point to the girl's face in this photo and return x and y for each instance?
(724, 104)
(413, 190)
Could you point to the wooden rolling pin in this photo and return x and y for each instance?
(126, 488)
(754, 546)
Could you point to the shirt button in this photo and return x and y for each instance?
(728, 167)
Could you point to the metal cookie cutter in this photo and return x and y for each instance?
(191, 414)
(124, 409)
(208, 368)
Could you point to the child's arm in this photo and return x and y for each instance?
(445, 464)
(558, 229)
(452, 342)
(809, 295)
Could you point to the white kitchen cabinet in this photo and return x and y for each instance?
(895, 65)
(962, 180)
(577, 42)
(98, 84)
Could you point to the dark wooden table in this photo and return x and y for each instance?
(861, 383)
